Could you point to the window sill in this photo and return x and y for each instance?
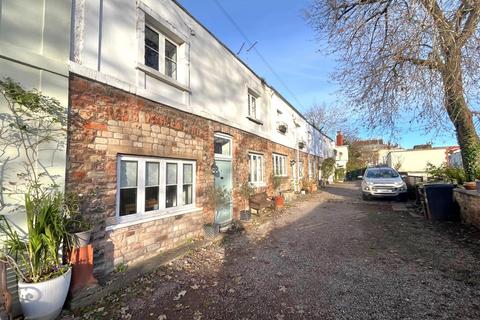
(132, 220)
(255, 120)
(258, 184)
(160, 76)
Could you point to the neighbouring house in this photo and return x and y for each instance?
(414, 161)
(341, 156)
(162, 113)
(34, 51)
(374, 151)
(340, 152)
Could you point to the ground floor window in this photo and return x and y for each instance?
(279, 165)
(255, 175)
(147, 185)
(300, 169)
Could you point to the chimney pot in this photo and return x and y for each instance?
(339, 138)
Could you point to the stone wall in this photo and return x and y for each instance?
(106, 122)
(469, 203)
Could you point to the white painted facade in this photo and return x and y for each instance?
(109, 46)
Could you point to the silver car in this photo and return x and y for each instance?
(383, 182)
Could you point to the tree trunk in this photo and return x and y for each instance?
(460, 115)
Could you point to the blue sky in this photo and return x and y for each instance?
(289, 46)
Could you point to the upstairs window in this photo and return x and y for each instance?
(252, 106)
(160, 49)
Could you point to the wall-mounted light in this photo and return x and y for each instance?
(292, 162)
(214, 168)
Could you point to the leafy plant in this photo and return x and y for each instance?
(307, 184)
(36, 257)
(32, 120)
(446, 173)
(277, 183)
(218, 196)
(340, 174)
(75, 221)
(245, 191)
(328, 167)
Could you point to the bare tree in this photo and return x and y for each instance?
(329, 119)
(416, 57)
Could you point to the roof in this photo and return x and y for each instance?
(249, 68)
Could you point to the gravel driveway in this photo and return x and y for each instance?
(331, 256)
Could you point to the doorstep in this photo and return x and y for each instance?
(115, 280)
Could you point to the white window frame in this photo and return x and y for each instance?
(252, 98)
(141, 181)
(300, 169)
(223, 156)
(255, 169)
(162, 39)
(282, 170)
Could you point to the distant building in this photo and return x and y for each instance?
(374, 151)
(414, 161)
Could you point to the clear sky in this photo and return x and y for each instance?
(288, 45)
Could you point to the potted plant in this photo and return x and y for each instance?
(78, 225)
(278, 199)
(43, 278)
(245, 191)
(301, 144)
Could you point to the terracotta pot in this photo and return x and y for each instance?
(471, 185)
(279, 201)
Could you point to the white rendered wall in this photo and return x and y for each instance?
(416, 160)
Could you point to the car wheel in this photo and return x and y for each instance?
(402, 197)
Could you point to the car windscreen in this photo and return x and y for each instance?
(382, 173)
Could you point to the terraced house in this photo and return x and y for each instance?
(160, 114)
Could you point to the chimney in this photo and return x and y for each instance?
(339, 138)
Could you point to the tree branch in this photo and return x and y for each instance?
(470, 25)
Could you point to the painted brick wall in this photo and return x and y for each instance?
(105, 122)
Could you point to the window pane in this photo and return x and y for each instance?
(151, 58)
(187, 173)
(260, 166)
(128, 174)
(170, 59)
(222, 146)
(151, 48)
(151, 198)
(171, 196)
(187, 194)
(152, 174)
(170, 51)
(171, 173)
(128, 201)
(151, 38)
(255, 169)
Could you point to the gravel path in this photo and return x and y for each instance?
(331, 256)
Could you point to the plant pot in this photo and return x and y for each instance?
(44, 300)
(302, 192)
(279, 202)
(471, 185)
(245, 215)
(83, 238)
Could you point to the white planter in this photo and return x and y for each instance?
(44, 300)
